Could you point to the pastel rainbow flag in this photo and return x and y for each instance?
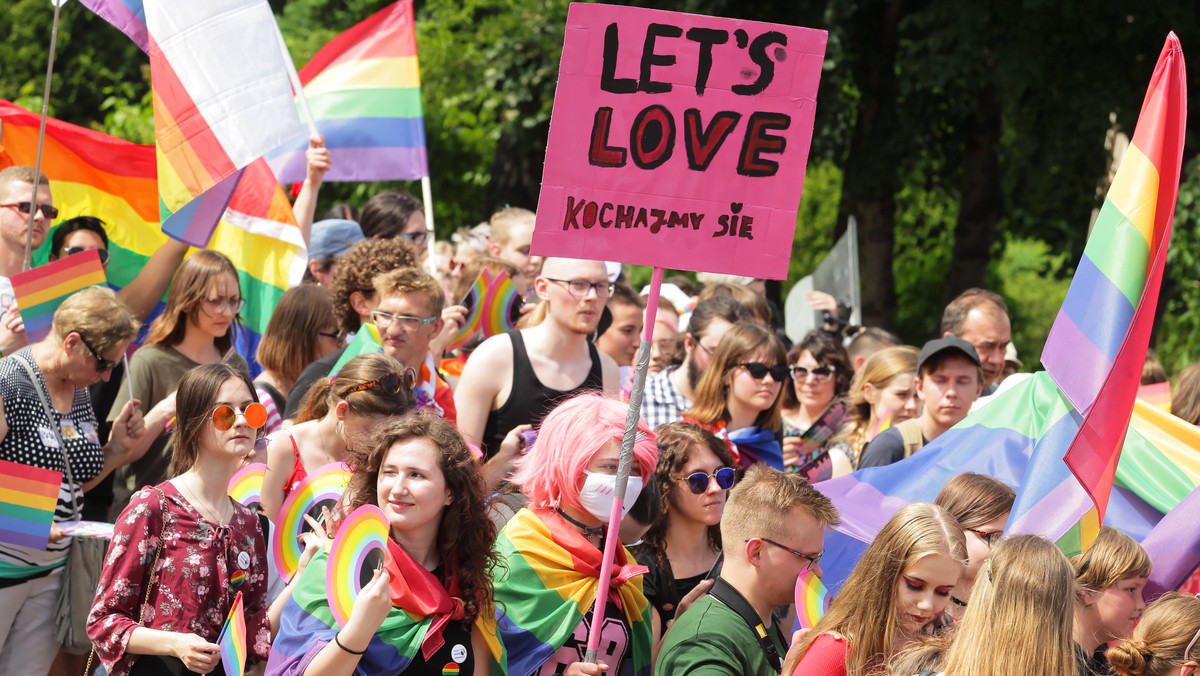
(812, 599)
(1156, 394)
(1097, 346)
(232, 640)
(1174, 547)
(41, 290)
(366, 341)
(28, 496)
(364, 89)
(94, 174)
(883, 425)
(221, 100)
(128, 16)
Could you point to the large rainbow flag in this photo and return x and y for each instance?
(1097, 346)
(221, 101)
(94, 174)
(364, 88)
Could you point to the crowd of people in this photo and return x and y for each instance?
(495, 463)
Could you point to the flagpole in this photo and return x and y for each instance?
(427, 200)
(613, 538)
(37, 165)
(297, 87)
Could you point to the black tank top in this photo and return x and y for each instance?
(528, 399)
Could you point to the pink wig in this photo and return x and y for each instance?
(568, 439)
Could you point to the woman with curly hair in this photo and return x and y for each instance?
(421, 612)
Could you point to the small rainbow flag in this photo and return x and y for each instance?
(41, 290)
(233, 640)
(883, 425)
(812, 599)
(1156, 394)
(28, 496)
(366, 341)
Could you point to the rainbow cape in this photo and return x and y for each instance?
(549, 587)
(28, 496)
(307, 624)
(1097, 346)
(232, 640)
(364, 89)
(94, 174)
(221, 101)
(41, 290)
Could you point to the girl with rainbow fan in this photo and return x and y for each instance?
(428, 608)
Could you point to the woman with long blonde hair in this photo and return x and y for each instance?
(885, 389)
(1165, 643)
(895, 595)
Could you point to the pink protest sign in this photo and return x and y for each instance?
(678, 140)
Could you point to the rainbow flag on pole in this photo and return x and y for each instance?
(128, 16)
(221, 101)
(28, 496)
(1097, 346)
(232, 640)
(41, 290)
(364, 88)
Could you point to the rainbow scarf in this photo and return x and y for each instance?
(551, 584)
(307, 624)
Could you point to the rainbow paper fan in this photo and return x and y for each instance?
(493, 307)
(812, 599)
(358, 549)
(322, 488)
(246, 485)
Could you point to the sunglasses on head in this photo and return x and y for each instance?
(758, 371)
(103, 253)
(388, 383)
(819, 374)
(224, 417)
(698, 482)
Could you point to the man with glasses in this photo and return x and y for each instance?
(774, 530)
(670, 392)
(513, 380)
(17, 199)
(409, 315)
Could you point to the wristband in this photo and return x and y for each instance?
(338, 641)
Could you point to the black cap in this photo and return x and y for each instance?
(943, 344)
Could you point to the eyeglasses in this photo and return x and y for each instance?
(989, 538)
(758, 371)
(330, 334)
(417, 238)
(102, 364)
(579, 288)
(698, 482)
(222, 305)
(819, 374)
(812, 559)
(388, 383)
(406, 323)
(224, 416)
(25, 207)
(1188, 650)
(71, 251)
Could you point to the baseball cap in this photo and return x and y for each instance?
(940, 345)
(333, 237)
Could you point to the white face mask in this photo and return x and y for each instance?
(598, 491)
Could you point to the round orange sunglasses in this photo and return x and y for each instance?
(224, 416)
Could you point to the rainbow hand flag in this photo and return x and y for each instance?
(364, 89)
(812, 599)
(232, 640)
(41, 290)
(28, 496)
(221, 100)
(366, 341)
(1097, 346)
(550, 585)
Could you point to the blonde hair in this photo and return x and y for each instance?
(1160, 638)
(1113, 557)
(1021, 610)
(761, 503)
(412, 281)
(878, 370)
(98, 316)
(865, 610)
(502, 222)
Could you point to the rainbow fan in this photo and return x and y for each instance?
(246, 485)
(322, 488)
(812, 599)
(359, 548)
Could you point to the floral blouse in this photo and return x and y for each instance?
(192, 588)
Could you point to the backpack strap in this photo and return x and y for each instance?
(728, 596)
(910, 433)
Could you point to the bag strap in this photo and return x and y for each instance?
(910, 433)
(162, 534)
(726, 594)
(62, 443)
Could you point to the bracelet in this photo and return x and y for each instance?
(338, 641)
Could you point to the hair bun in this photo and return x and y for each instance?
(1128, 656)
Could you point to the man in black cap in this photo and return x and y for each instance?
(949, 380)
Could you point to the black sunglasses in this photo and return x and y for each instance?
(71, 251)
(758, 371)
(697, 482)
(102, 364)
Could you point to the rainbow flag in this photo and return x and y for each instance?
(1156, 394)
(221, 100)
(812, 599)
(364, 89)
(28, 496)
(1174, 547)
(550, 585)
(94, 174)
(884, 424)
(232, 640)
(366, 341)
(307, 625)
(41, 290)
(1097, 346)
(128, 16)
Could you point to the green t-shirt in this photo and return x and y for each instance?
(712, 639)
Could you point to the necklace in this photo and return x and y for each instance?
(204, 510)
(588, 531)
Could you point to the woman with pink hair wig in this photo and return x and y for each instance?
(554, 548)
